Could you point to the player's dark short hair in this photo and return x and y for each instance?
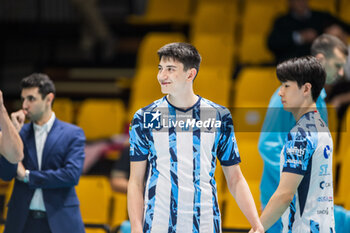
(185, 53)
(325, 44)
(303, 70)
(42, 81)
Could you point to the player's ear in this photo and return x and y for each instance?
(307, 88)
(192, 74)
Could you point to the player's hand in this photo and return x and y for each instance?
(21, 171)
(257, 230)
(18, 119)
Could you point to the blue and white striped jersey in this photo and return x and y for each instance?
(181, 148)
(308, 151)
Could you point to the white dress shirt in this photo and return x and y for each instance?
(41, 133)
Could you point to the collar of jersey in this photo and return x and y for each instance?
(184, 110)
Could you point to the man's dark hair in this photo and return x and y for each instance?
(185, 53)
(42, 81)
(325, 44)
(303, 70)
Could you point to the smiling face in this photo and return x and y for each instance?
(172, 77)
(292, 96)
(34, 105)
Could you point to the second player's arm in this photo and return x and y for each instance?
(239, 189)
(281, 199)
(135, 195)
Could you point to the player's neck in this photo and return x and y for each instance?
(298, 113)
(183, 100)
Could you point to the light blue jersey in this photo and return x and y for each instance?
(308, 151)
(277, 124)
(181, 148)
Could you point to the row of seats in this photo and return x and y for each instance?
(247, 23)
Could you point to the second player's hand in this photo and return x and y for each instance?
(18, 119)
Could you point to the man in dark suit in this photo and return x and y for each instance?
(44, 198)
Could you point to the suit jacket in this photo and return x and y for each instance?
(62, 165)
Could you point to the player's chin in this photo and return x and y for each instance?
(165, 90)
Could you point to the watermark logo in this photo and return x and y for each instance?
(152, 120)
(181, 122)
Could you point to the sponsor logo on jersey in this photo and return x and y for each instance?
(296, 151)
(324, 170)
(323, 212)
(294, 161)
(324, 184)
(325, 199)
(327, 152)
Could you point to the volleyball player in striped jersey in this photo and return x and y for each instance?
(174, 145)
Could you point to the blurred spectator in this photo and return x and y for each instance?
(293, 33)
(95, 31)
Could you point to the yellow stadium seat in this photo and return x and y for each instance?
(64, 109)
(343, 189)
(344, 137)
(347, 203)
(163, 12)
(101, 118)
(257, 21)
(92, 230)
(224, 13)
(255, 86)
(7, 197)
(323, 5)
(147, 53)
(232, 216)
(119, 210)
(145, 89)
(95, 195)
(217, 51)
(252, 163)
(344, 10)
(252, 92)
(213, 84)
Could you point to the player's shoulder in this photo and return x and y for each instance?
(150, 108)
(306, 129)
(221, 110)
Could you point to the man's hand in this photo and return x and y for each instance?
(21, 171)
(1, 99)
(308, 35)
(18, 119)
